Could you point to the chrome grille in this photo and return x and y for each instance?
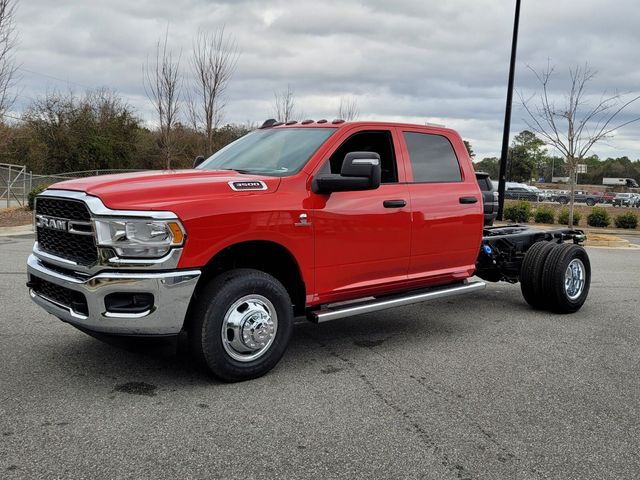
(77, 247)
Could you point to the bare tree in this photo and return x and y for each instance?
(284, 105)
(8, 66)
(576, 124)
(162, 82)
(348, 109)
(213, 62)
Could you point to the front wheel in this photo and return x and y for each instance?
(241, 324)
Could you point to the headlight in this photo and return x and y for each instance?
(132, 238)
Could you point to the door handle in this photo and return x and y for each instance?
(394, 203)
(468, 200)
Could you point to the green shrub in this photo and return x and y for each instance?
(518, 212)
(599, 217)
(545, 215)
(32, 194)
(627, 220)
(563, 217)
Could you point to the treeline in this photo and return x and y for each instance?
(64, 132)
(528, 161)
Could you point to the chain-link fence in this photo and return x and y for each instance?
(16, 182)
(14, 185)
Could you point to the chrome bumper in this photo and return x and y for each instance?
(172, 293)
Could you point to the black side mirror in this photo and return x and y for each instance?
(362, 164)
(199, 159)
(360, 171)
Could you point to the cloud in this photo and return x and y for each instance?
(406, 60)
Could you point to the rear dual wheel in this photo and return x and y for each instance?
(531, 274)
(556, 276)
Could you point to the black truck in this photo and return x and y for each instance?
(489, 197)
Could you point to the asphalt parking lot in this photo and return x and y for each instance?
(478, 387)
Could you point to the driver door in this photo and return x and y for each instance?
(362, 238)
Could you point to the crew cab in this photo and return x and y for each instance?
(314, 219)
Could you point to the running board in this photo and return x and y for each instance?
(330, 312)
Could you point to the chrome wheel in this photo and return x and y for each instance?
(249, 328)
(574, 279)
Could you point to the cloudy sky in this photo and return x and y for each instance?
(406, 60)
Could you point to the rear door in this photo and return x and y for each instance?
(446, 206)
(362, 238)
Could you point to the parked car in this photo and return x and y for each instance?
(521, 193)
(547, 195)
(580, 197)
(607, 197)
(624, 200)
(489, 197)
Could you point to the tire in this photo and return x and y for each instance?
(566, 297)
(220, 333)
(531, 274)
(591, 203)
(563, 200)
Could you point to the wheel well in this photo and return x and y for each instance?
(268, 257)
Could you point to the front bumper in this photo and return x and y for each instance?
(171, 291)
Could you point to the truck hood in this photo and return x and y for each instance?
(160, 190)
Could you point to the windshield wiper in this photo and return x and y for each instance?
(239, 170)
(255, 170)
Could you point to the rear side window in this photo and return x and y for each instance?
(432, 158)
(484, 183)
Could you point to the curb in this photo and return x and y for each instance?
(592, 230)
(605, 238)
(617, 243)
(19, 230)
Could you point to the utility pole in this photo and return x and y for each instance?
(507, 114)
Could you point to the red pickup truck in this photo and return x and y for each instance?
(315, 219)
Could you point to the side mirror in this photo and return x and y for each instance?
(360, 171)
(199, 159)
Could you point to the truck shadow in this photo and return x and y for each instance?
(168, 360)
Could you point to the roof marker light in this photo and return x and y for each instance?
(269, 123)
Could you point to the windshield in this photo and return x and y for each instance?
(277, 152)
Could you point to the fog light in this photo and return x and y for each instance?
(128, 302)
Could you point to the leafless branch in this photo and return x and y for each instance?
(162, 83)
(8, 66)
(348, 109)
(284, 105)
(214, 59)
(579, 124)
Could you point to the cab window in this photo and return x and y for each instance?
(378, 141)
(432, 158)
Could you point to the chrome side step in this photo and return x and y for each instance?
(334, 312)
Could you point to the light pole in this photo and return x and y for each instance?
(507, 114)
